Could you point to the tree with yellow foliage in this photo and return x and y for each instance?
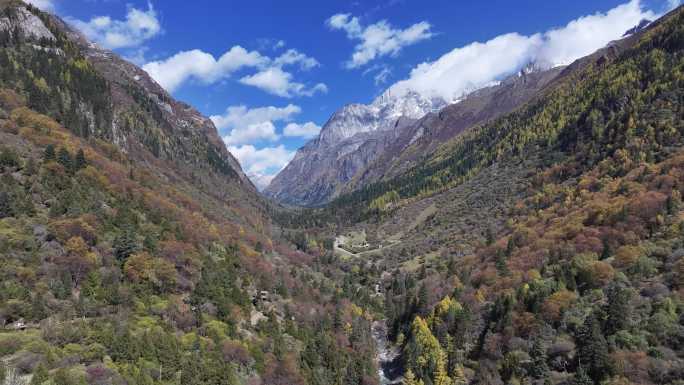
(458, 376)
(424, 355)
(410, 379)
(441, 376)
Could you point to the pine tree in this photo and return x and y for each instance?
(593, 349)
(540, 368)
(64, 158)
(501, 259)
(5, 205)
(423, 299)
(581, 377)
(125, 244)
(80, 161)
(49, 154)
(617, 308)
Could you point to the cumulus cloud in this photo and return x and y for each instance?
(198, 65)
(307, 130)
(45, 5)
(276, 81)
(585, 35)
(262, 165)
(379, 39)
(478, 64)
(252, 132)
(138, 27)
(245, 125)
(201, 66)
(469, 67)
(672, 4)
(240, 116)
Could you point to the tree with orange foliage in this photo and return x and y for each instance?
(554, 306)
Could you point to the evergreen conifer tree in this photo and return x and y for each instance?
(80, 161)
(540, 368)
(49, 154)
(5, 205)
(64, 158)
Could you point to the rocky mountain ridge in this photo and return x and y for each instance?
(362, 144)
(351, 138)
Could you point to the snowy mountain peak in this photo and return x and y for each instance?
(380, 115)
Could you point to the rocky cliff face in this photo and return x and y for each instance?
(352, 138)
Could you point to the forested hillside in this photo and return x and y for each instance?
(545, 246)
(133, 250)
(574, 275)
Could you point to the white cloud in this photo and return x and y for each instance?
(379, 39)
(252, 132)
(240, 116)
(198, 65)
(672, 4)
(138, 27)
(137, 56)
(307, 130)
(292, 56)
(278, 82)
(45, 5)
(469, 67)
(201, 66)
(262, 165)
(265, 43)
(382, 76)
(248, 125)
(585, 35)
(479, 64)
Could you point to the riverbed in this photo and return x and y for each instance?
(387, 356)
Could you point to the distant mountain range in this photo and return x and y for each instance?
(363, 143)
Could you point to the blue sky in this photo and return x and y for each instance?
(270, 73)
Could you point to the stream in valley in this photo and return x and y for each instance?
(387, 356)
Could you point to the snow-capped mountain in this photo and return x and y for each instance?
(352, 138)
(381, 115)
(360, 143)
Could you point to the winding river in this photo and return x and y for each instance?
(387, 357)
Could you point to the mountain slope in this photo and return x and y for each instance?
(115, 101)
(422, 138)
(133, 250)
(544, 246)
(363, 144)
(352, 138)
